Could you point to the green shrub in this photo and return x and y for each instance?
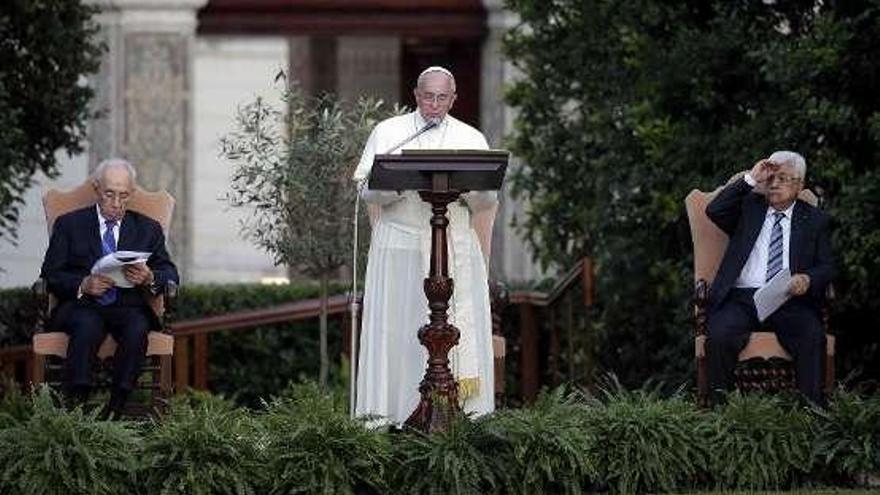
(199, 300)
(15, 407)
(624, 107)
(256, 363)
(645, 443)
(315, 448)
(49, 48)
(303, 442)
(64, 453)
(200, 399)
(760, 442)
(205, 448)
(308, 399)
(18, 315)
(848, 442)
(459, 461)
(543, 448)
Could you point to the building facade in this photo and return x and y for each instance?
(176, 71)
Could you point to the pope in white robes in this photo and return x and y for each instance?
(391, 360)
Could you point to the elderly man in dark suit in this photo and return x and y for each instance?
(770, 230)
(91, 305)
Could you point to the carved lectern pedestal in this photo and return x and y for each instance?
(440, 176)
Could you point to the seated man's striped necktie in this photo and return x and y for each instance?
(108, 245)
(774, 252)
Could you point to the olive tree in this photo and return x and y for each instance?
(292, 169)
(46, 49)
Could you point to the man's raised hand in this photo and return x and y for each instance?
(761, 172)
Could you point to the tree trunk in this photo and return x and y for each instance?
(325, 360)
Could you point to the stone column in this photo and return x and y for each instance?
(511, 257)
(143, 92)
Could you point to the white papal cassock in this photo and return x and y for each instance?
(392, 361)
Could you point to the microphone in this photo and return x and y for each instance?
(430, 124)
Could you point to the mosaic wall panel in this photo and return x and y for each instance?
(102, 130)
(156, 137)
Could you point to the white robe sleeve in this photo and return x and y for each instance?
(362, 174)
(480, 200)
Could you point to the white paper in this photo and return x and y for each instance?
(111, 265)
(773, 295)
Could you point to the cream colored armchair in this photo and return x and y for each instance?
(763, 364)
(50, 344)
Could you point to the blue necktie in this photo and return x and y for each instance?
(774, 252)
(108, 245)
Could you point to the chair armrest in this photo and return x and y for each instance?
(499, 299)
(830, 297)
(701, 305)
(163, 304)
(170, 296)
(40, 293)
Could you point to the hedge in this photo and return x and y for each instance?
(304, 442)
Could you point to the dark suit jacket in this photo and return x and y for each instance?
(740, 212)
(75, 245)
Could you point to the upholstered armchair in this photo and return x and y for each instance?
(50, 344)
(763, 364)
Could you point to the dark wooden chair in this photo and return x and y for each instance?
(50, 344)
(499, 298)
(763, 364)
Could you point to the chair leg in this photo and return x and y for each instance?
(829, 374)
(162, 380)
(702, 382)
(499, 381)
(38, 370)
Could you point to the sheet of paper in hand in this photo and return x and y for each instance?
(111, 265)
(773, 295)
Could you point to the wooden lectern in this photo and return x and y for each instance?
(439, 176)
